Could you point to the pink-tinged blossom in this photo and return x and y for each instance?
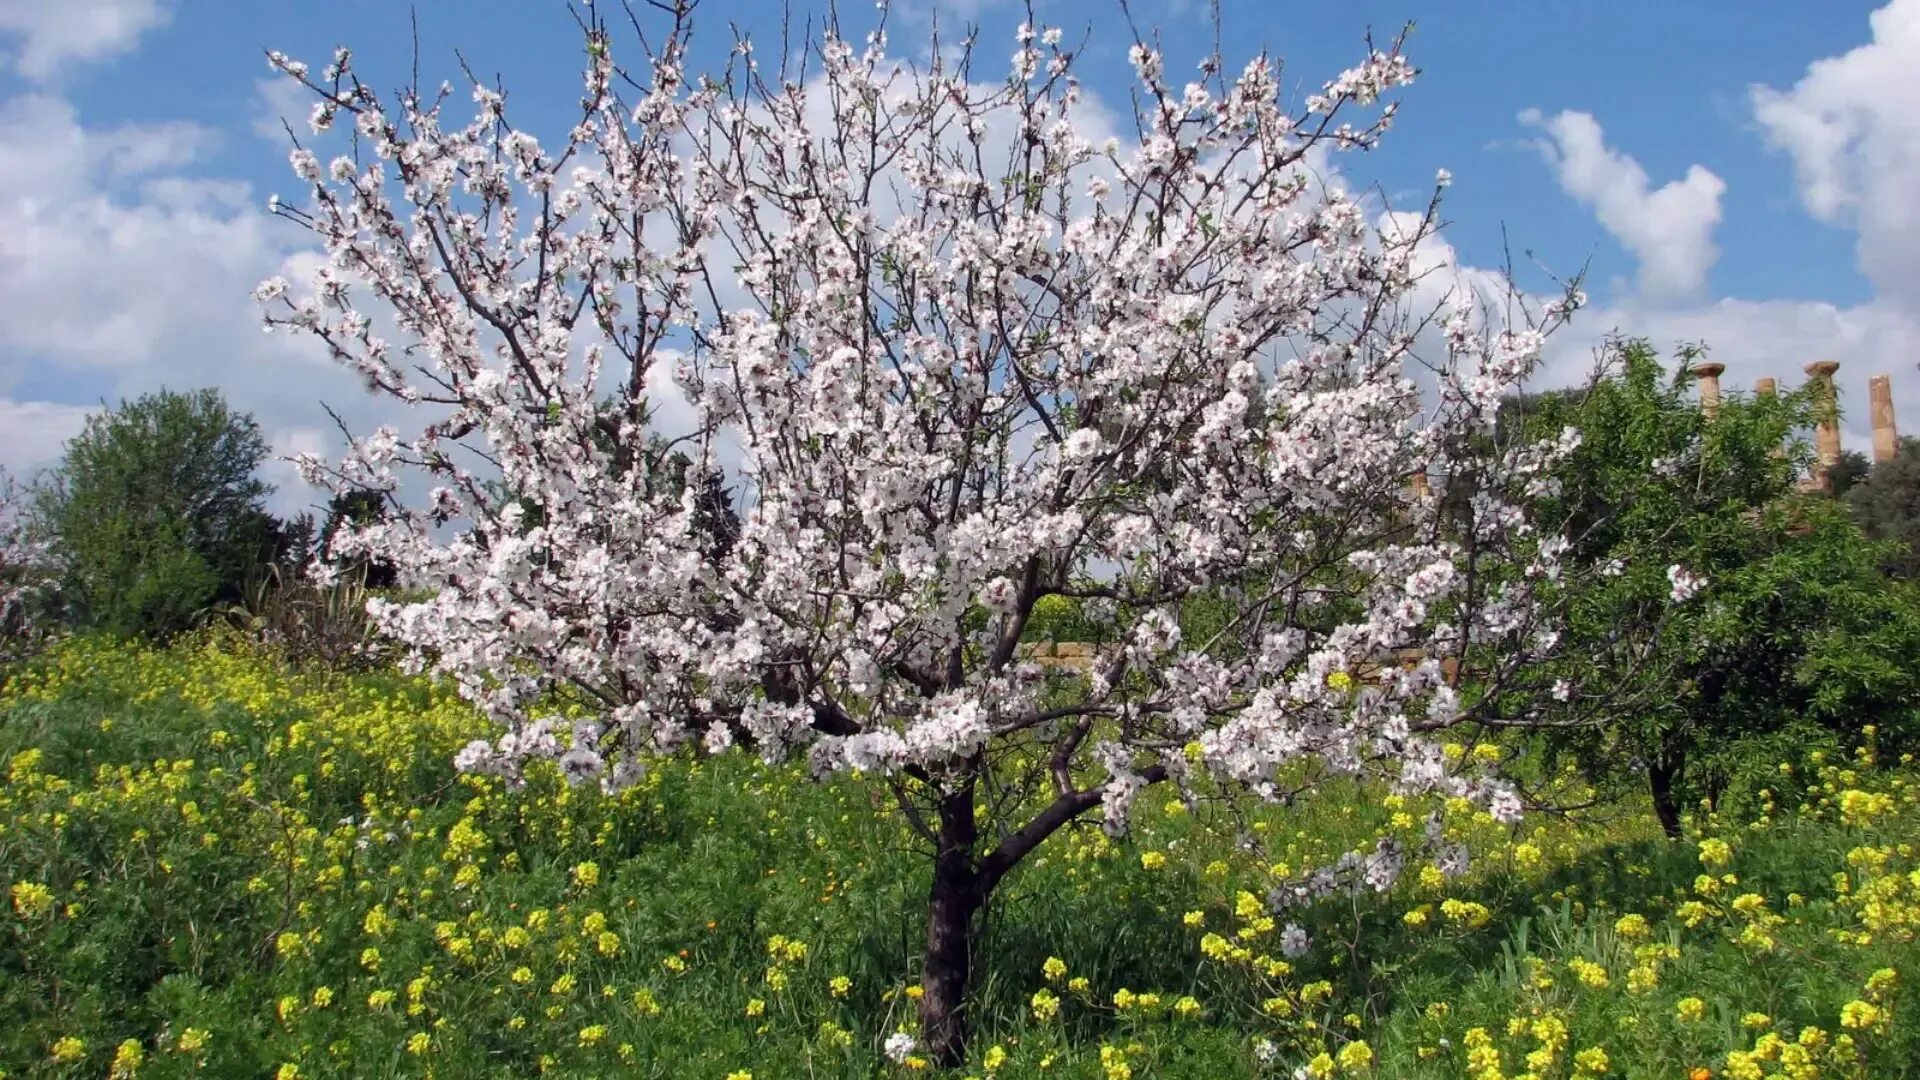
(1685, 585)
(305, 165)
(1082, 444)
(1000, 595)
(1505, 805)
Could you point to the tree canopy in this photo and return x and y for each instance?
(1797, 636)
(156, 511)
(1886, 502)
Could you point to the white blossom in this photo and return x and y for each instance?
(1685, 585)
(899, 1046)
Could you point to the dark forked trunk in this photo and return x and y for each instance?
(961, 886)
(1663, 776)
(951, 903)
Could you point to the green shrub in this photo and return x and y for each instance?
(1797, 638)
(155, 513)
(1059, 618)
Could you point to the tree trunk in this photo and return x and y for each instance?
(961, 886)
(1662, 774)
(951, 903)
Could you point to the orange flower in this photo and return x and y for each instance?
(1701, 1073)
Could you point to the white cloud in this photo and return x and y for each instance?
(36, 431)
(1669, 230)
(952, 15)
(1768, 338)
(49, 156)
(55, 33)
(1852, 128)
(283, 104)
(1442, 278)
(121, 273)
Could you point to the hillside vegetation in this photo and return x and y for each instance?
(218, 867)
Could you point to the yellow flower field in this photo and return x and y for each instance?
(214, 866)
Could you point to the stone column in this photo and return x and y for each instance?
(1766, 386)
(1708, 372)
(1886, 437)
(1826, 426)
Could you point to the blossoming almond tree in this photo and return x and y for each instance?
(959, 348)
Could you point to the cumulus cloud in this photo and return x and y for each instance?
(282, 103)
(1442, 277)
(948, 14)
(36, 430)
(1767, 339)
(1851, 129)
(1668, 229)
(123, 273)
(53, 34)
(1852, 136)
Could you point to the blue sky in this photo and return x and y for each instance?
(1734, 172)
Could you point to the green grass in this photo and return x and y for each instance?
(222, 842)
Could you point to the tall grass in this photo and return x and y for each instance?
(224, 867)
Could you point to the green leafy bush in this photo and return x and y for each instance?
(1059, 618)
(155, 513)
(1797, 639)
(1886, 502)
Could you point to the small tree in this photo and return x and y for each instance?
(1847, 473)
(1796, 636)
(155, 512)
(975, 351)
(1887, 505)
